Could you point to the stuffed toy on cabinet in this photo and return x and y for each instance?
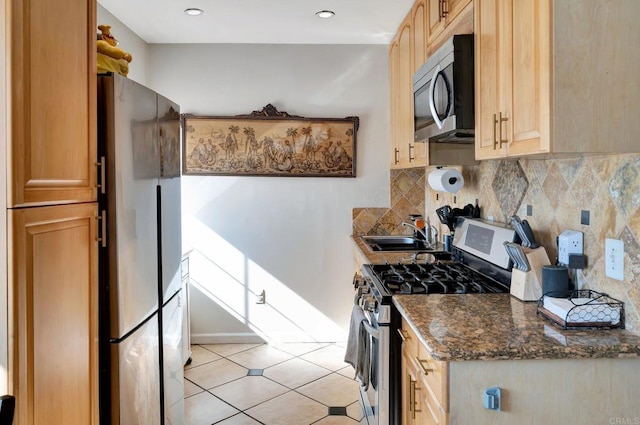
(110, 57)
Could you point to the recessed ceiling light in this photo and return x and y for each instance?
(325, 14)
(192, 11)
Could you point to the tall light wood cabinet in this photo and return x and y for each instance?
(52, 102)
(555, 77)
(51, 210)
(53, 263)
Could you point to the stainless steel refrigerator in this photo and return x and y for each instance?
(141, 368)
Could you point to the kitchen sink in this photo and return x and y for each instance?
(394, 243)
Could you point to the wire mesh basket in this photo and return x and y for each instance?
(581, 309)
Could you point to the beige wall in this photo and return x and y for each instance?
(557, 190)
(289, 236)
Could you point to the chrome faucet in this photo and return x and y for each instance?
(430, 239)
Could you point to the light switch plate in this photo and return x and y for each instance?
(614, 258)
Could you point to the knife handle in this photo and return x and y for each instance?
(526, 229)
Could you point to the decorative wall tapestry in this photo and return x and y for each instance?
(269, 143)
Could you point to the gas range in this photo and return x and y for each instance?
(478, 264)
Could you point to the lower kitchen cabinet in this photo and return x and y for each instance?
(542, 391)
(425, 390)
(53, 314)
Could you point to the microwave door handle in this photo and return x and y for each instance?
(432, 93)
(371, 330)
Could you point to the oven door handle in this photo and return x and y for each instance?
(371, 330)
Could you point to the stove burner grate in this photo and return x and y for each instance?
(435, 278)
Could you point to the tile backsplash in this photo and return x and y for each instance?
(556, 192)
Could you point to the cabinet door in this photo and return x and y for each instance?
(412, 392)
(454, 7)
(488, 41)
(394, 92)
(528, 125)
(405, 95)
(435, 19)
(53, 101)
(54, 298)
(418, 28)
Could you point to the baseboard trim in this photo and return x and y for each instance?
(226, 338)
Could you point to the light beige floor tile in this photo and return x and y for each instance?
(300, 348)
(200, 356)
(191, 389)
(248, 391)
(355, 411)
(215, 373)
(289, 409)
(260, 357)
(205, 409)
(239, 419)
(332, 390)
(336, 420)
(331, 357)
(295, 372)
(228, 349)
(348, 371)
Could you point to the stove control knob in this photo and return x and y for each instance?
(369, 303)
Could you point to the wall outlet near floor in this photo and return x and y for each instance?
(569, 242)
(262, 297)
(614, 258)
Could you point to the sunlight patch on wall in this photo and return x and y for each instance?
(233, 281)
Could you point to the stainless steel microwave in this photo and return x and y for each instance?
(443, 94)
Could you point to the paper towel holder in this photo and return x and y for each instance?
(441, 182)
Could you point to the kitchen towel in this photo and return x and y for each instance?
(446, 180)
(358, 350)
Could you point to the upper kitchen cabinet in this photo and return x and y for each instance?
(419, 33)
(404, 152)
(52, 96)
(440, 14)
(407, 53)
(556, 77)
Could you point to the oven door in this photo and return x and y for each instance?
(376, 397)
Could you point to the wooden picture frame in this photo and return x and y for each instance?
(269, 143)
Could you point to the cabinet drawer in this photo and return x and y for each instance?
(409, 338)
(434, 375)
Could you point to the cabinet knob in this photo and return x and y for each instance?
(411, 158)
(395, 155)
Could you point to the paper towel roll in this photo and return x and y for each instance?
(446, 180)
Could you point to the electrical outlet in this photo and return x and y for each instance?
(262, 297)
(614, 258)
(569, 242)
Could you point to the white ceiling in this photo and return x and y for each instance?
(261, 21)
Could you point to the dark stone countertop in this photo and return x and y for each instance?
(501, 327)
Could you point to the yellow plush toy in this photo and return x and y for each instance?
(110, 57)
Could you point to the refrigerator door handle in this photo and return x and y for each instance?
(102, 237)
